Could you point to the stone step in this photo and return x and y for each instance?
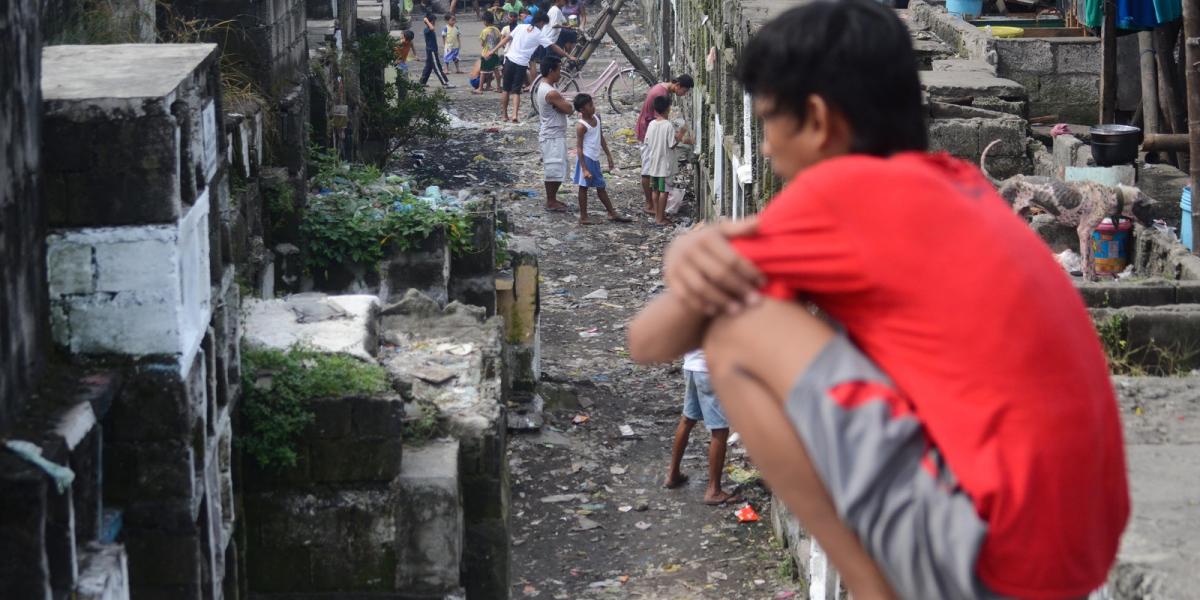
(429, 521)
(977, 84)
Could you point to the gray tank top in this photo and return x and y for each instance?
(554, 123)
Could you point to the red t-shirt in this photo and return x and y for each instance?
(953, 296)
(643, 121)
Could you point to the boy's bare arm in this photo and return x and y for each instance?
(580, 132)
(665, 329)
(604, 145)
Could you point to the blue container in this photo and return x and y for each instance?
(965, 9)
(1185, 228)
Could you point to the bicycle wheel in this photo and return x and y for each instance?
(566, 85)
(627, 92)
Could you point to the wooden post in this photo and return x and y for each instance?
(1108, 64)
(1191, 36)
(1149, 72)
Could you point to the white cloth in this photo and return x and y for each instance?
(694, 361)
(659, 157)
(553, 123)
(591, 139)
(556, 18)
(554, 159)
(525, 40)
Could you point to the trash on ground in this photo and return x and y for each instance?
(580, 419)
(617, 470)
(600, 294)
(626, 431)
(642, 525)
(585, 524)
(717, 576)
(746, 514)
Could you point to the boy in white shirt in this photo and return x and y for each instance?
(700, 403)
(659, 158)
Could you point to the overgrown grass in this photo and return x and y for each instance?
(278, 387)
(1150, 359)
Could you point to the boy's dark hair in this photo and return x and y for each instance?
(541, 18)
(448, 16)
(581, 101)
(432, 17)
(662, 104)
(684, 80)
(409, 35)
(488, 19)
(856, 55)
(549, 64)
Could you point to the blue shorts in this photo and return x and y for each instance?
(593, 165)
(700, 403)
(451, 56)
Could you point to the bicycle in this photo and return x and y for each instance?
(624, 88)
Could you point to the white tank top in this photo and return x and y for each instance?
(554, 123)
(591, 139)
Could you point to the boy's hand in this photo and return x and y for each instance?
(709, 276)
(587, 173)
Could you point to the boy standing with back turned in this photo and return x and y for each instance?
(958, 436)
(659, 161)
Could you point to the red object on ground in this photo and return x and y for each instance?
(746, 514)
(954, 297)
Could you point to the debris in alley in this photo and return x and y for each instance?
(746, 514)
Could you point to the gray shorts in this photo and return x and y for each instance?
(700, 403)
(869, 448)
(554, 159)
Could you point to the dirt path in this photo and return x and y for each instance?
(590, 515)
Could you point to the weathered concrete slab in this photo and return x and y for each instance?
(333, 324)
(422, 344)
(951, 84)
(429, 515)
(119, 72)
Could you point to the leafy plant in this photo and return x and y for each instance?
(397, 114)
(349, 227)
(278, 387)
(1149, 359)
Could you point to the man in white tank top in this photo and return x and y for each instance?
(552, 132)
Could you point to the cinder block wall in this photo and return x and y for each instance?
(23, 324)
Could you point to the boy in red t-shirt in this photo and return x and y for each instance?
(957, 436)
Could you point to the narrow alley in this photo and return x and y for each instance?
(590, 515)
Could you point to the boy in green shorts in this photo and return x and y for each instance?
(659, 158)
(489, 67)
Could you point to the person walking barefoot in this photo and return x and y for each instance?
(700, 403)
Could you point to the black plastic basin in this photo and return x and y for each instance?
(1115, 144)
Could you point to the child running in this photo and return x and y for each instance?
(589, 134)
(661, 140)
(452, 42)
(957, 435)
(700, 404)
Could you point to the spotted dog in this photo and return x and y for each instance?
(1079, 204)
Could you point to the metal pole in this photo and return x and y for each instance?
(1108, 64)
(1191, 29)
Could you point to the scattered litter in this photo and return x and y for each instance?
(529, 590)
(1126, 274)
(591, 508)
(560, 498)
(580, 419)
(626, 431)
(642, 525)
(717, 576)
(455, 349)
(434, 374)
(585, 524)
(479, 158)
(642, 506)
(617, 470)
(742, 476)
(600, 294)
(760, 582)
(625, 508)
(1070, 260)
(591, 333)
(623, 579)
(746, 514)
(569, 278)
